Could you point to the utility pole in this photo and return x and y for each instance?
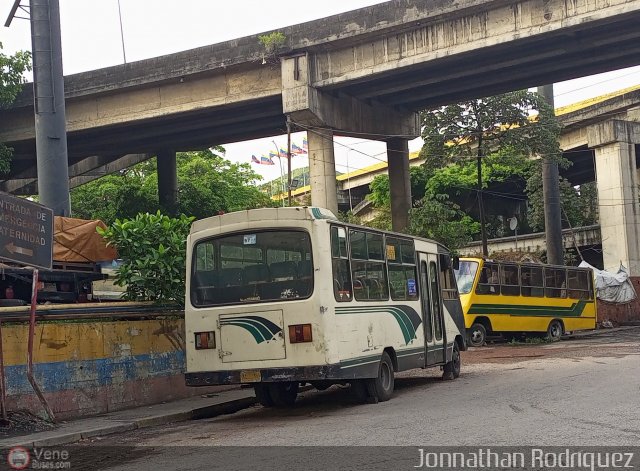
(49, 105)
(551, 195)
(483, 229)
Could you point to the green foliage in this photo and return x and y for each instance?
(439, 219)
(433, 216)
(153, 247)
(512, 134)
(490, 125)
(207, 184)
(579, 204)
(12, 69)
(349, 218)
(272, 41)
(380, 193)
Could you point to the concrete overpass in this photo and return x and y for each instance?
(361, 73)
(364, 71)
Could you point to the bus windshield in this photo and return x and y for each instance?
(251, 267)
(465, 276)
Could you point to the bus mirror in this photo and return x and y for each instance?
(455, 262)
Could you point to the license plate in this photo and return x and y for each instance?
(250, 376)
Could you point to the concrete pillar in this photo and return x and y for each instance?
(399, 182)
(309, 107)
(167, 181)
(322, 170)
(618, 193)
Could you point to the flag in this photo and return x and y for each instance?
(262, 161)
(283, 153)
(297, 150)
(272, 154)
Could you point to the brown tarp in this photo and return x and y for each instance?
(76, 240)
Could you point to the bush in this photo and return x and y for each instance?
(153, 249)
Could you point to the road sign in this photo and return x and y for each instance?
(26, 231)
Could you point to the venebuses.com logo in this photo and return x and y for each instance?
(18, 458)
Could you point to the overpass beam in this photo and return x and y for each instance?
(614, 142)
(168, 181)
(399, 182)
(323, 113)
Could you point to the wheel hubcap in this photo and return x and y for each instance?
(385, 376)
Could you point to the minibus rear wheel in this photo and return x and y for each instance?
(382, 386)
(452, 368)
(284, 394)
(263, 395)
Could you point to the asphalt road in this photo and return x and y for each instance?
(580, 392)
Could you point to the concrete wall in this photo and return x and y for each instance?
(92, 367)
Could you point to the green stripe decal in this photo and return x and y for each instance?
(407, 318)
(575, 310)
(260, 328)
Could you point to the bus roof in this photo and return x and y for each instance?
(287, 214)
(511, 262)
(262, 214)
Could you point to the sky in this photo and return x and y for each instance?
(91, 39)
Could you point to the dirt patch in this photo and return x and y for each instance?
(594, 346)
(22, 422)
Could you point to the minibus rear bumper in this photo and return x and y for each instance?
(273, 375)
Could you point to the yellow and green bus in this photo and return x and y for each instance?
(510, 299)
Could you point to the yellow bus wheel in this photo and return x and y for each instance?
(555, 330)
(477, 335)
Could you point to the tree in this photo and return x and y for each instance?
(12, 69)
(501, 125)
(153, 247)
(434, 215)
(207, 185)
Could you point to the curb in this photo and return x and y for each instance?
(229, 407)
(199, 413)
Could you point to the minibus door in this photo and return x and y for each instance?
(431, 309)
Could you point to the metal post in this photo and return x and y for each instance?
(32, 332)
(551, 195)
(48, 95)
(3, 396)
(289, 159)
(281, 175)
(483, 228)
(124, 54)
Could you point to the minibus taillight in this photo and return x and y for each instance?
(300, 333)
(205, 340)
